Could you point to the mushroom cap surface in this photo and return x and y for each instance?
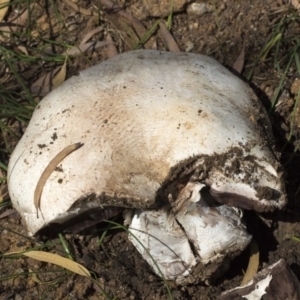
(144, 117)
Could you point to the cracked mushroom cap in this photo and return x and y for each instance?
(146, 120)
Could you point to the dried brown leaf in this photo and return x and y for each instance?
(295, 3)
(125, 29)
(22, 17)
(154, 45)
(85, 47)
(238, 65)
(23, 49)
(7, 213)
(114, 8)
(111, 48)
(48, 81)
(6, 75)
(43, 85)
(168, 38)
(4, 4)
(14, 23)
(3, 193)
(126, 23)
(60, 77)
(81, 10)
(59, 261)
(89, 35)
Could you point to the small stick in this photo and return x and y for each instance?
(48, 171)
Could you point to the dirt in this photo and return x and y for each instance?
(217, 28)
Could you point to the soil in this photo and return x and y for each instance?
(216, 28)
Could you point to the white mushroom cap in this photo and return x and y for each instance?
(139, 115)
(175, 135)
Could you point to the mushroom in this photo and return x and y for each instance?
(174, 136)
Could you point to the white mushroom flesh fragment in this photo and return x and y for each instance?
(156, 127)
(162, 242)
(260, 289)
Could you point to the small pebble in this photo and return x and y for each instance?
(199, 9)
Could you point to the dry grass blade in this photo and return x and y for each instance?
(253, 263)
(168, 38)
(59, 261)
(3, 8)
(49, 169)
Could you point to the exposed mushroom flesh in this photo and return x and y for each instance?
(214, 232)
